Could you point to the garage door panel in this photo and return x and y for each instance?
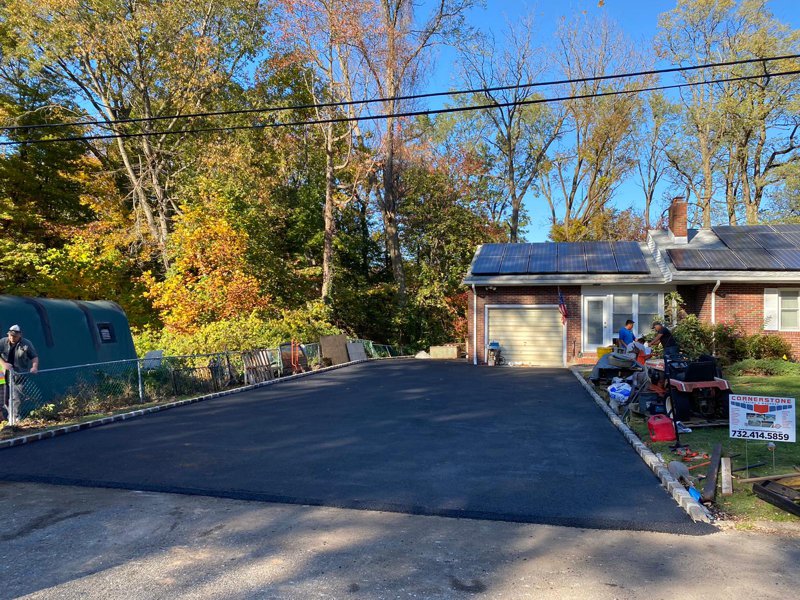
(528, 335)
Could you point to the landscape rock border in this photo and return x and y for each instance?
(57, 431)
(695, 510)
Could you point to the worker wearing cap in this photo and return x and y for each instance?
(17, 354)
(666, 339)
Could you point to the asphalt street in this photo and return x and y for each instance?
(74, 543)
(418, 437)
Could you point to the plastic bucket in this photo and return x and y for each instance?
(603, 350)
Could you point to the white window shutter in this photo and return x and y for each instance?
(771, 316)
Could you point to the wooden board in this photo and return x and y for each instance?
(334, 347)
(727, 479)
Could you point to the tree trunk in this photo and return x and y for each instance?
(390, 192)
(330, 222)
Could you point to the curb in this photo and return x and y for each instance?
(50, 433)
(695, 510)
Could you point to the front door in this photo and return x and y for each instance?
(596, 330)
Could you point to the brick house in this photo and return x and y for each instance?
(747, 275)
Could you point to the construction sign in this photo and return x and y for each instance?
(762, 418)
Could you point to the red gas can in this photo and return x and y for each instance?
(661, 428)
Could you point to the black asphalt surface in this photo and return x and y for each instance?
(423, 437)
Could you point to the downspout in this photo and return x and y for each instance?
(474, 326)
(714, 303)
(714, 317)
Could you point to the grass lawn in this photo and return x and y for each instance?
(743, 506)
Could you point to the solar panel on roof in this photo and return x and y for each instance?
(723, 260)
(629, 257)
(758, 259)
(786, 227)
(734, 237)
(769, 239)
(571, 258)
(488, 260)
(789, 257)
(599, 257)
(515, 259)
(543, 258)
(792, 237)
(687, 260)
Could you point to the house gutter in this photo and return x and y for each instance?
(474, 326)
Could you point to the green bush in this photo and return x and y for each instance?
(768, 346)
(763, 367)
(47, 412)
(693, 336)
(306, 324)
(729, 343)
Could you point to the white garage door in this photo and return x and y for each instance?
(528, 336)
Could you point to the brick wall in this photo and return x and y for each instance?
(527, 296)
(740, 303)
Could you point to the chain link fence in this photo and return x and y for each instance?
(72, 393)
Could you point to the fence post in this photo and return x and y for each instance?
(141, 385)
(231, 375)
(12, 417)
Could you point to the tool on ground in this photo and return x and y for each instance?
(697, 466)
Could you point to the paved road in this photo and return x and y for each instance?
(418, 437)
(74, 543)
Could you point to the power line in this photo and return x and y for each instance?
(456, 109)
(271, 109)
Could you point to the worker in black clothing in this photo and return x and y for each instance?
(666, 339)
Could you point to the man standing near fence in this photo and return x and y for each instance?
(16, 354)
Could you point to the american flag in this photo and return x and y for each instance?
(562, 308)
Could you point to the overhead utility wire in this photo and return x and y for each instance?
(270, 109)
(416, 113)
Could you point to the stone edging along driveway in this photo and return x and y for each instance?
(34, 437)
(693, 508)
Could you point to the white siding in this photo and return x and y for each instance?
(530, 336)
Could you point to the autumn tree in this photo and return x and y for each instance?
(143, 59)
(394, 45)
(517, 134)
(651, 142)
(596, 151)
(734, 135)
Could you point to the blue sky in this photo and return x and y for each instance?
(637, 18)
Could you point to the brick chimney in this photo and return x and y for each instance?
(678, 220)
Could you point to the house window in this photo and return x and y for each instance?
(789, 310)
(623, 310)
(648, 312)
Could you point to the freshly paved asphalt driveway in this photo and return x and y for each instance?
(421, 437)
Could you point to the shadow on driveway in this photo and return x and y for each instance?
(419, 437)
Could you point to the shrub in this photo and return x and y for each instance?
(693, 336)
(764, 367)
(306, 324)
(47, 412)
(768, 346)
(729, 343)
